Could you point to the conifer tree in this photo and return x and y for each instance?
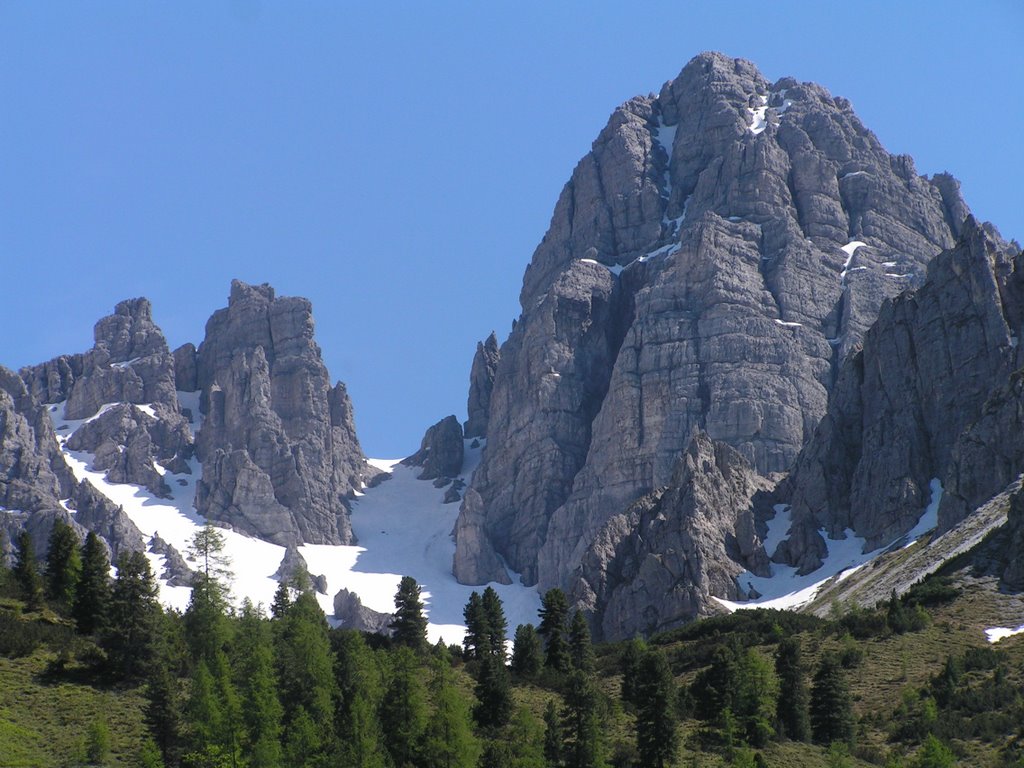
(282, 601)
(206, 720)
(63, 565)
(409, 626)
(830, 709)
(713, 688)
(632, 655)
(207, 550)
(526, 740)
(493, 692)
(163, 706)
(92, 596)
(496, 625)
(581, 650)
(261, 713)
(403, 710)
(584, 730)
(206, 626)
(358, 679)
(792, 711)
(526, 652)
(306, 679)
(755, 697)
(477, 632)
(26, 572)
(655, 711)
(553, 612)
(134, 611)
(448, 740)
(554, 736)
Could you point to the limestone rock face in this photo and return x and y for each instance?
(910, 406)
(441, 451)
(656, 565)
(349, 609)
(481, 382)
(36, 484)
(277, 444)
(475, 560)
(709, 265)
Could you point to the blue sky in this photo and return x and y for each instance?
(397, 164)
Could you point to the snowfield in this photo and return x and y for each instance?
(402, 526)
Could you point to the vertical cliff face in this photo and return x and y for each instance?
(277, 444)
(928, 399)
(714, 257)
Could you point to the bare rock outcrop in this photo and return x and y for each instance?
(475, 560)
(350, 611)
(481, 382)
(656, 565)
(278, 447)
(910, 407)
(441, 451)
(709, 265)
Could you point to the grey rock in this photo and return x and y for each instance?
(441, 451)
(350, 611)
(895, 419)
(694, 276)
(176, 571)
(454, 492)
(279, 452)
(292, 563)
(186, 368)
(475, 560)
(481, 382)
(656, 565)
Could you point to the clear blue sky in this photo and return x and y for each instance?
(396, 162)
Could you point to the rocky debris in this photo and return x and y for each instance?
(656, 565)
(454, 492)
(279, 452)
(176, 571)
(893, 424)
(481, 382)
(441, 451)
(475, 560)
(350, 611)
(709, 264)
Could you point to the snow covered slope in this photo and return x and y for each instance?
(402, 525)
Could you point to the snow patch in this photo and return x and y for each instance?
(849, 249)
(785, 588)
(853, 173)
(995, 634)
(788, 324)
(758, 122)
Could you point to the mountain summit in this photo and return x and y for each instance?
(711, 263)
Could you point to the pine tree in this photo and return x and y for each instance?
(477, 632)
(306, 679)
(358, 677)
(493, 692)
(632, 655)
(553, 612)
(261, 712)
(26, 572)
(792, 710)
(496, 624)
(526, 652)
(63, 565)
(92, 597)
(448, 740)
(656, 738)
(830, 709)
(713, 688)
(554, 736)
(584, 729)
(163, 706)
(755, 697)
(403, 710)
(282, 601)
(581, 650)
(409, 626)
(134, 610)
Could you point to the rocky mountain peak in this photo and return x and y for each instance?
(744, 235)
